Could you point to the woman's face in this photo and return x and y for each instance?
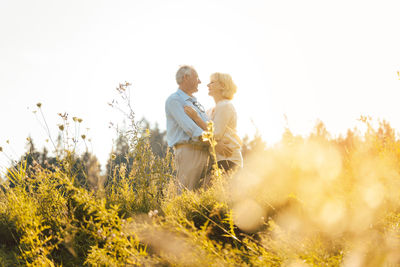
(214, 87)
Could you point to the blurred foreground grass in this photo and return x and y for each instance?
(315, 201)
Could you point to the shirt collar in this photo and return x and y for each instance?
(185, 96)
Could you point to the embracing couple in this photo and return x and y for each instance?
(187, 119)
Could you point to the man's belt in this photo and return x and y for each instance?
(195, 146)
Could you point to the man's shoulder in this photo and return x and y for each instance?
(174, 98)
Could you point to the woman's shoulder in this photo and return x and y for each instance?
(225, 105)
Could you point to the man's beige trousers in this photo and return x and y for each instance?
(191, 165)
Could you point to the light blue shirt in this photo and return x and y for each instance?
(180, 127)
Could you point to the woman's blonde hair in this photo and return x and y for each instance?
(228, 86)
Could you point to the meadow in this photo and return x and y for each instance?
(306, 201)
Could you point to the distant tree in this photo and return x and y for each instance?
(31, 159)
(32, 155)
(158, 139)
(86, 171)
(386, 133)
(347, 143)
(320, 132)
(256, 145)
(120, 153)
(80, 168)
(119, 156)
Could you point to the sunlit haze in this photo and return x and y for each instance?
(294, 62)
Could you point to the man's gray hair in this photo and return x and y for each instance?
(183, 70)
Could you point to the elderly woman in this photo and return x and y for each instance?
(222, 89)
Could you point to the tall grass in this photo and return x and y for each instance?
(307, 201)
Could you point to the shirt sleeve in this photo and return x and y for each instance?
(223, 115)
(175, 109)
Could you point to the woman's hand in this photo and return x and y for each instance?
(223, 149)
(191, 113)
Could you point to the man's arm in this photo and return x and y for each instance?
(176, 110)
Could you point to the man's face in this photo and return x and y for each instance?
(193, 81)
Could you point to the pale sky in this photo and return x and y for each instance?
(308, 60)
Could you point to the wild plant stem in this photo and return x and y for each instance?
(47, 128)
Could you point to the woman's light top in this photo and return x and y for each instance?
(224, 117)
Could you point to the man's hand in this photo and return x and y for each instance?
(223, 149)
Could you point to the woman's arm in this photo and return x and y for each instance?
(221, 147)
(195, 117)
(224, 113)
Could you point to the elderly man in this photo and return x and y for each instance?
(183, 134)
